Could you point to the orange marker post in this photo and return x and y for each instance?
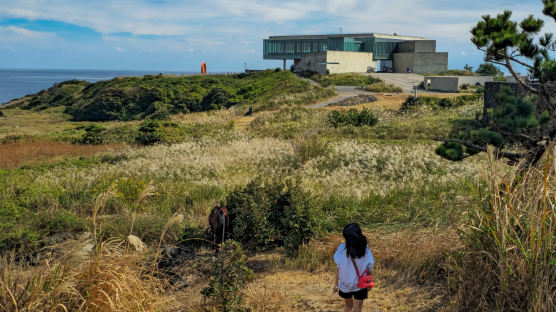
(203, 68)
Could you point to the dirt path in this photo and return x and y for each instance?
(313, 292)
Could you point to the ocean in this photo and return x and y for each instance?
(15, 83)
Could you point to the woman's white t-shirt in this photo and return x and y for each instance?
(348, 277)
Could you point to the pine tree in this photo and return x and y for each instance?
(526, 123)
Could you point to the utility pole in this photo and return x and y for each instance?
(340, 30)
(245, 66)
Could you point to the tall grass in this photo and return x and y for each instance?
(16, 154)
(512, 242)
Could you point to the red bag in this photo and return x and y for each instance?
(365, 280)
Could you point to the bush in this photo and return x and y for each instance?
(271, 213)
(1, 113)
(92, 135)
(450, 150)
(352, 117)
(230, 275)
(217, 98)
(150, 132)
(489, 69)
(440, 103)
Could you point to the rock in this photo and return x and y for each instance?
(58, 238)
(356, 100)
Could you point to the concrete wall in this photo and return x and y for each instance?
(401, 61)
(421, 62)
(446, 83)
(430, 62)
(442, 83)
(473, 80)
(417, 46)
(349, 62)
(312, 62)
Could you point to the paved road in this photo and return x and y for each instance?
(402, 80)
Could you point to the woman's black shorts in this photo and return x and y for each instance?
(359, 295)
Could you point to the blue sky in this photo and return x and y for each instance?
(178, 35)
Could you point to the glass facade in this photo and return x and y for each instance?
(279, 49)
(292, 49)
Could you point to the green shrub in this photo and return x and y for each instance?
(270, 213)
(353, 117)
(217, 98)
(1, 113)
(92, 135)
(230, 275)
(440, 103)
(450, 150)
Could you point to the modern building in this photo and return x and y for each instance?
(342, 53)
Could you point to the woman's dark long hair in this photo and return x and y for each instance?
(356, 242)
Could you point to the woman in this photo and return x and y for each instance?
(355, 248)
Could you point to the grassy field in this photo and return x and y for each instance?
(415, 206)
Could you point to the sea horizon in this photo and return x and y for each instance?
(18, 82)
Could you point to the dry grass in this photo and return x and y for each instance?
(16, 154)
(107, 282)
(511, 239)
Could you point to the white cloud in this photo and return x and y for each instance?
(201, 18)
(10, 35)
(119, 49)
(463, 53)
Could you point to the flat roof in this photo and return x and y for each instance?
(376, 35)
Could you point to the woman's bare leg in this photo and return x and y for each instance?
(357, 305)
(348, 304)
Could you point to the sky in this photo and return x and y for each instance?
(178, 35)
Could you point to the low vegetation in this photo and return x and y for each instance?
(158, 97)
(342, 79)
(382, 87)
(439, 103)
(291, 180)
(352, 117)
(511, 239)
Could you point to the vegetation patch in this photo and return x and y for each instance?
(157, 97)
(439, 103)
(382, 87)
(348, 79)
(267, 213)
(18, 153)
(364, 117)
